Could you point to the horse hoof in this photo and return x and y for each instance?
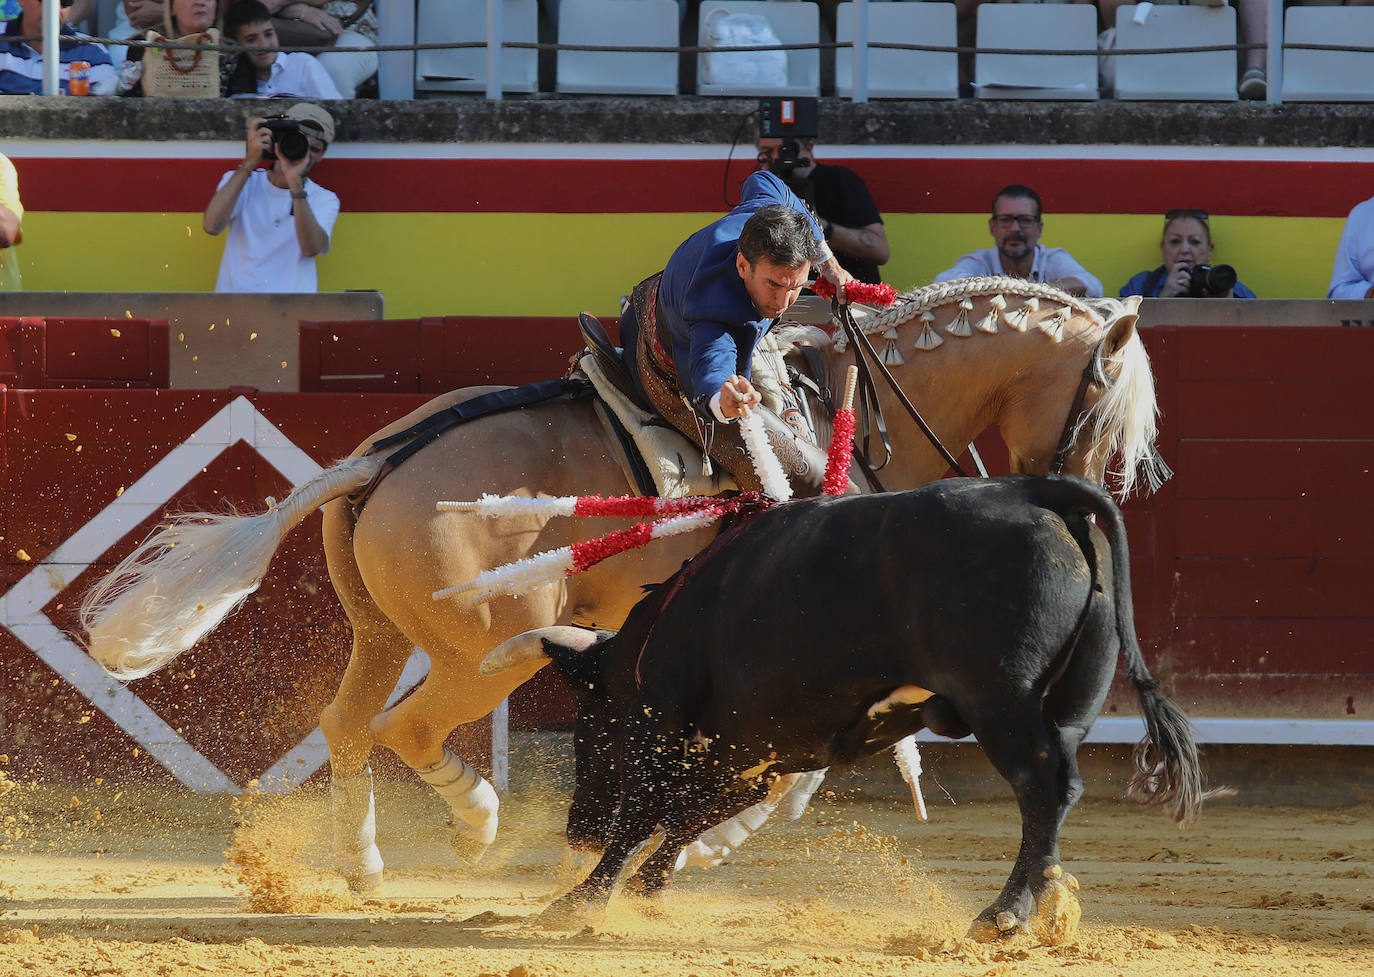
(364, 883)
(1057, 913)
(699, 855)
(468, 848)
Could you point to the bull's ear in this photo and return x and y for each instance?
(570, 649)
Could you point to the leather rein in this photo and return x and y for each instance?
(864, 353)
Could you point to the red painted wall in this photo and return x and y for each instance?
(1252, 566)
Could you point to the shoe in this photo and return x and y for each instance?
(1253, 85)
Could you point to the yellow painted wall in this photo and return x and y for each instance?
(554, 264)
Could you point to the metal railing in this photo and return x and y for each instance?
(397, 47)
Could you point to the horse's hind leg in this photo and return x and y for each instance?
(379, 654)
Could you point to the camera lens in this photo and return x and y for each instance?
(292, 144)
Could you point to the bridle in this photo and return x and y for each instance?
(864, 353)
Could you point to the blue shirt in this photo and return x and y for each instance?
(21, 67)
(710, 317)
(1136, 286)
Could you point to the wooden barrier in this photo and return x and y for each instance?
(1250, 566)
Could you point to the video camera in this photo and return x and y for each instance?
(289, 137)
(791, 120)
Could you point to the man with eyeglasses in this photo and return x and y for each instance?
(1016, 225)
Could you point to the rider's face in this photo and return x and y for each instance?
(772, 288)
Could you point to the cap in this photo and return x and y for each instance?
(306, 112)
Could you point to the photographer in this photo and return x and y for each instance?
(848, 216)
(1187, 272)
(278, 219)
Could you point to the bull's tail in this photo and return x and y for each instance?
(1167, 769)
(190, 573)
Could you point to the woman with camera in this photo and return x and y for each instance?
(1187, 272)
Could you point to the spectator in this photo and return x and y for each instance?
(278, 219)
(848, 216)
(1186, 244)
(21, 64)
(1252, 25)
(11, 214)
(344, 24)
(1016, 225)
(1352, 276)
(690, 332)
(270, 73)
(182, 19)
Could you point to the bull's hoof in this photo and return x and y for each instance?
(570, 912)
(1057, 912)
(991, 926)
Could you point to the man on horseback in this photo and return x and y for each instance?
(690, 331)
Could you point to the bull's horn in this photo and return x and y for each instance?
(526, 648)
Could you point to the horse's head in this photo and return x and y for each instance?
(1047, 369)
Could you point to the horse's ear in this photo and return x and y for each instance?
(1122, 328)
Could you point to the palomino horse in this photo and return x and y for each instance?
(974, 353)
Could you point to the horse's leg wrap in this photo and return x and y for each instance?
(788, 798)
(798, 796)
(355, 830)
(472, 800)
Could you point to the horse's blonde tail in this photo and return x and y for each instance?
(189, 574)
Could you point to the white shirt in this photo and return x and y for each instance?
(1047, 265)
(298, 74)
(261, 253)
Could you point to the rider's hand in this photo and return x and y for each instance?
(838, 276)
(738, 397)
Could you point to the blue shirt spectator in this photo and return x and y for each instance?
(1186, 244)
(1352, 275)
(21, 65)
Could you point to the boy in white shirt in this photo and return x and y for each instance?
(271, 73)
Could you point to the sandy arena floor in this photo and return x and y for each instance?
(101, 881)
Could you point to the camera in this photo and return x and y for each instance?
(1211, 281)
(289, 138)
(791, 120)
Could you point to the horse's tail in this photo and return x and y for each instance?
(1167, 769)
(189, 574)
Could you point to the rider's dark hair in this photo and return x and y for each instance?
(779, 235)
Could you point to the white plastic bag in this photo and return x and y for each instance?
(740, 69)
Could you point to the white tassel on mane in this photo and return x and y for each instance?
(189, 574)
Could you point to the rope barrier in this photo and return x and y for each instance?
(228, 48)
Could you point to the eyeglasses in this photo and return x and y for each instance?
(1193, 212)
(1023, 221)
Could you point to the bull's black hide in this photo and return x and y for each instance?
(769, 654)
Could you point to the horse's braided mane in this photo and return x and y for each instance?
(916, 301)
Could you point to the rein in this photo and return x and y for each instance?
(1091, 372)
(863, 350)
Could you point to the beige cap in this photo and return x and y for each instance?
(306, 112)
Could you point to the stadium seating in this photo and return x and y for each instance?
(1328, 76)
(465, 69)
(632, 23)
(1196, 76)
(794, 21)
(901, 74)
(1038, 29)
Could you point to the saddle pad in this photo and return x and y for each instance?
(672, 460)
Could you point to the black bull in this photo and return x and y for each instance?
(816, 634)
